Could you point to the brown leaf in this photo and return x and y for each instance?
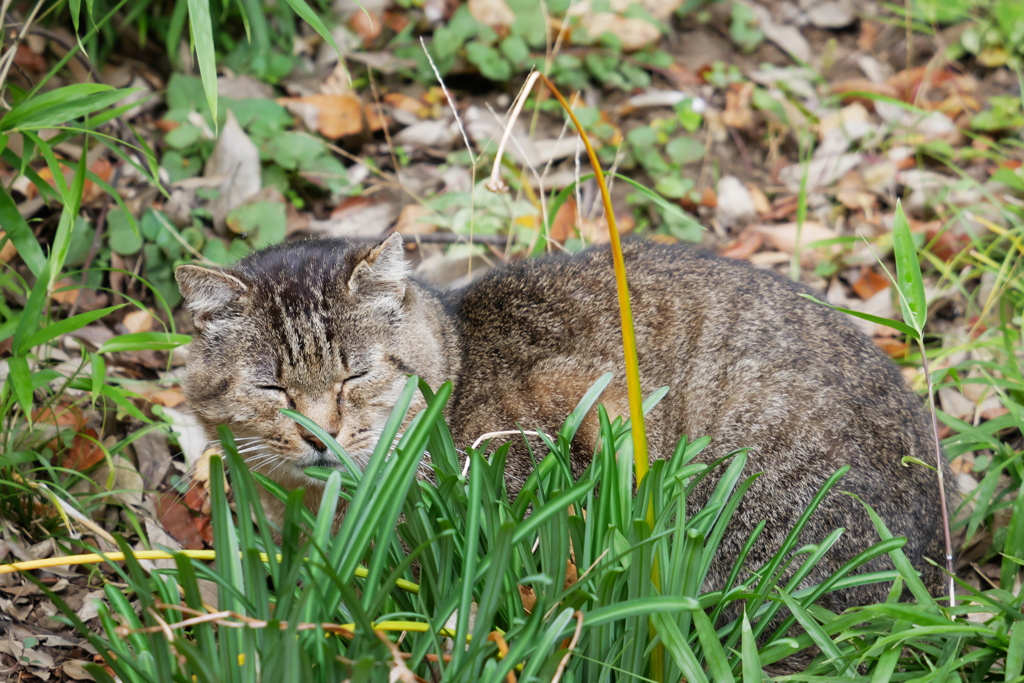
(409, 222)
(66, 297)
(335, 116)
(494, 13)
(139, 320)
(528, 598)
(168, 397)
(742, 247)
(60, 415)
(863, 85)
(564, 224)
(8, 251)
(892, 346)
(784, 237)
(760, 199)
(367, 24)
(84, 452)
(396, 20)
(375, 120)
(178, 521)
(571, 575)
(28, 60)
(738, 113)
(869, 283)
(406, 103)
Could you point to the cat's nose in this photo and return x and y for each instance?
(314, 442)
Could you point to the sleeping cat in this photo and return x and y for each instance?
(333, 329)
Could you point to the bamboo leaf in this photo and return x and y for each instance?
(908, 273)
(888, 322)
(202, 38)
(20, 234)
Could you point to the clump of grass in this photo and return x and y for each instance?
(559, 579)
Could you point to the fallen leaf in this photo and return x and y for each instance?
(359, 217)
(60, 415)
(101, 168)
(744, 246)
(407, 103)
(738, 112)
(760, 199)
(734, 205)
(493, 13)
(8, 250)
(375, 119)
(75, 670)
(178, 521)
(869, 283)
(595, 230)
(84, 453)
(29, 60)
(334, 116)
(528, 598)
(564, 224)
(168, 397)
(236, 159)
(409, 222)
(139, 320)
(851, 89)
(63, 296)
(892, 346)
(367, 25)
(784, 237)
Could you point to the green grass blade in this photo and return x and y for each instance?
(908, 273)
(21, 234)
(752, 672)
(202, 38)
(67, 325)
(888, 322)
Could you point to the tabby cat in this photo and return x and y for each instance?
(332, 329)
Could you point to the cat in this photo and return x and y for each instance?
(333, 329)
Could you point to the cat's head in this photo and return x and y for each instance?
(327, 328)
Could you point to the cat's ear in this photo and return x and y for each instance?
(382, 272)
(207, 292)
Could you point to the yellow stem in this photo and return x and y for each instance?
(208, 555)
(636, 412)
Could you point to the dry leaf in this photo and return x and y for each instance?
(168, 397)
(760, 199)
(177, 520)
(8, 250)
(738, 113)
(892, 346)
(528, 598)
(367, 25)
(375, 119)
(407, 103)
(84, 452)
(869, 284)
(334, 116)
(139, 320)
(237, 160)
(784, 237)
(409, 222)
(564, 224)
(66, 297)
(493, 13)
(745, 246)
